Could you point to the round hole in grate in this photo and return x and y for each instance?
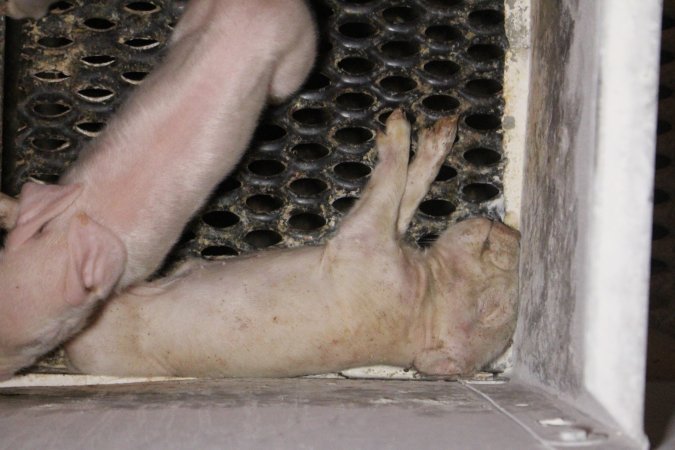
(311, 116)
(659, 232)
(441, 68)
(658, 266)
(141, 7)
(220, 219)
(268, 132)
(134, 77)
(444, 3)
(266, 167)
(355, 101)
(383, 116)
(51, 76)
(662, 161)
(262, 238)
(483, 87)
(187, 236)
(98, 60)
(306, 221)
(440, 103)
(96, 94)
(479, 192)
(666, 57)
(228, 185)
(61, 7)
(481, 156)
(446, 173)
(49, 178)
(353, 135)
(351, 170)
(427, 240)
(51, 110)
(437, 208)
(661, 196)
(50, 144)
(91, 129)
(316, 81)
(308, 187)
(263, 203)
(354, 65)
(54, 42)
(399, 15)
(397, 84)
(309, 151)
(99, 24)
(486, 18)
(663, 127)
(485, 52)
(665, 92)
(483, 122)
(357, 30)
(218, 251)
(344, 204)
(140, 43)
(443, 33)
(399, 49)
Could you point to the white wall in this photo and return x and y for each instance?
(586, 214)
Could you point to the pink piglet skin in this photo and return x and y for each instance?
(116, 213)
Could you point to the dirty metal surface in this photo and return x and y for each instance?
(311, 156)
(661, 348)
(298, 413)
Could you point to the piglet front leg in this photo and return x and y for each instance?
(364, 298)
(21, 9)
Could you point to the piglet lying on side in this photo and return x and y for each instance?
(363, 298)
(116, 213)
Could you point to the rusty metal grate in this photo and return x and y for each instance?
(311, 156)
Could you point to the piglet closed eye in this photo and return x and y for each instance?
(116, 213)
(364, 298)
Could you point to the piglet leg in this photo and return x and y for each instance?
(21, 9)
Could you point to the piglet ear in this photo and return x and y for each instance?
(97, 259)
(38, 204)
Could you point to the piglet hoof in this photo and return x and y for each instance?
(474, 274)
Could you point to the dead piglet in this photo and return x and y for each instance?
(119, 209)
(364, 298)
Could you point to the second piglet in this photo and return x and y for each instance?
(116, 213)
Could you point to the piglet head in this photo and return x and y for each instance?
(55, 266)
(475, 265)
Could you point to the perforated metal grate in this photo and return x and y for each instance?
(310, 156)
